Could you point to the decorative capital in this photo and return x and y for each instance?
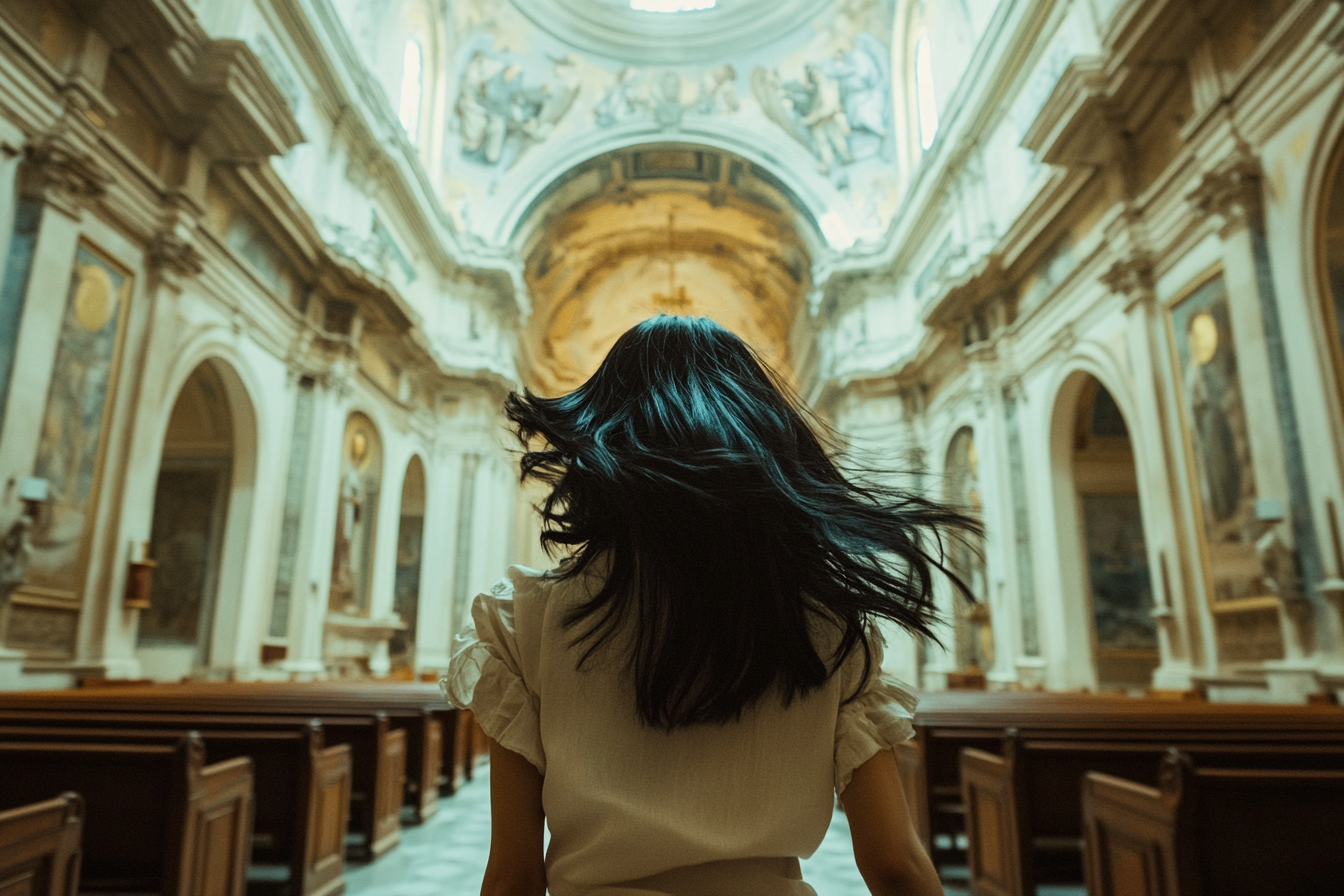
(169, 252)
(1131, 278)
(1232, 191)
(56, 170)
(1334, 32)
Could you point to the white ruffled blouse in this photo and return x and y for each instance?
(703, 811)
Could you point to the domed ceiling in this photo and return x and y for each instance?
(660, 229)
(668, 32)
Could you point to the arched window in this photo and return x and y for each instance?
(925, 99)
(412, 86)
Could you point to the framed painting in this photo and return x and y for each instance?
(1218, 444)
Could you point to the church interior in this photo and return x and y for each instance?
(270, 268)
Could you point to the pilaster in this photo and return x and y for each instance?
(1233, 193)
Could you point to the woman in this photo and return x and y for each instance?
(684, 695)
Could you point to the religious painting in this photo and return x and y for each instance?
(71, 439)
(185, 543)
(1215, 417)
(1117, 569)
(356, 517)
(406, 586)
(406, 583)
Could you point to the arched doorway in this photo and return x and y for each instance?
(1115, 574)
(406, 588)
(191, 505)
(973, 638)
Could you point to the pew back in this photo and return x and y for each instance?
(158, 819)
(946, 722)
(301, 788)
(1215, 832)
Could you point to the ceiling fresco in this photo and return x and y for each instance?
(811, 102)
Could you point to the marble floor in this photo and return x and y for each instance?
(446, 855)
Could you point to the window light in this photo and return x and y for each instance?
(412, 77)
(924, 94)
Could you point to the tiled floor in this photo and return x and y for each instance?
(446, 856)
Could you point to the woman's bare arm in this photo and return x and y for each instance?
(886, 847)
(517, 862)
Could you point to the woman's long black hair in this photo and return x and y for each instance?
(729, 531)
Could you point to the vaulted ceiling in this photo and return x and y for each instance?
(660, 229)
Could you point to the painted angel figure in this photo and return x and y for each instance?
(811, 111)
(538, 110)
(825, 119)
(716, 91)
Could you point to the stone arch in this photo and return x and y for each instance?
(1323, 257)
(786, 162)
(209, 449)
(1106, 587)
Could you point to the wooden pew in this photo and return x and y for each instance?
(302, 788)
(158, 819)
(1215, 832)
(947, 721)
(378, 753)
(1023, 807)
(39, 847)
(412, 711)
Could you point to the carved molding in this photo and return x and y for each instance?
(1073, 128)
(1233, 191)
(215, 92)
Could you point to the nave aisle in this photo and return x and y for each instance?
(446, 855)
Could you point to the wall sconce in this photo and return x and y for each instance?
(139, 577)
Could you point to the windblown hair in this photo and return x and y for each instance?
(728, 530)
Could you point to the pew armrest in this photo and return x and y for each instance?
(1129, 832)
(218, 837)
(40, 843)
(993, 833)
(328, 818)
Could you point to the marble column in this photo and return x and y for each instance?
(1152, 438)
(1030, 665)
(312, 561)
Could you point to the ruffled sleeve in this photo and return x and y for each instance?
(485, 676)
(880, 716)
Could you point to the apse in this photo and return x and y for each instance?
(661, 229)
